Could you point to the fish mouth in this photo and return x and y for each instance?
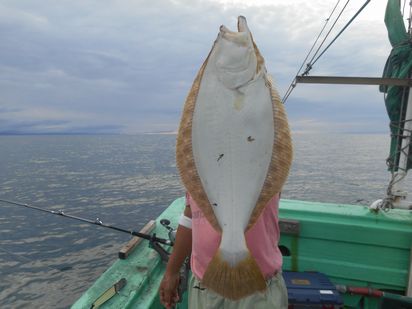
(241, 26)
(239, 46)
(239, 37)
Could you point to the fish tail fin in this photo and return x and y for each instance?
(241, 280)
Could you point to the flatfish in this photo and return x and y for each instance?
(233, 153)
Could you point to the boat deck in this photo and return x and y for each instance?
(349, 243)
(143, 270)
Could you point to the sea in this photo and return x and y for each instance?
(48, 261)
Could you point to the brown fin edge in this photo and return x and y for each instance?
(234, 282)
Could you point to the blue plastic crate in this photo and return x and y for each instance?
(311, 290)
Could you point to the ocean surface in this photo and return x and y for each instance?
(48, 261)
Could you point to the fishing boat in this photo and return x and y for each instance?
(365, 251)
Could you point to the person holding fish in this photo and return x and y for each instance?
(233, 153)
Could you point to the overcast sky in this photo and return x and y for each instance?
(126, 66)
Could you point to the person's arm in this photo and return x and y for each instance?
(181, 249)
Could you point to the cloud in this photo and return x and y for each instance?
(11, 16)
(128, 65)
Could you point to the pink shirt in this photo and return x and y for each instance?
(262, 240)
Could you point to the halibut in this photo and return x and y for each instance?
(233, 153)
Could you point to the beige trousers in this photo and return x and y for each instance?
(275, 297)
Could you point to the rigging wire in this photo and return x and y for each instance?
(340, 32)
(293, 83)
(310, 64)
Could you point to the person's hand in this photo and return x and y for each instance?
(168, 290)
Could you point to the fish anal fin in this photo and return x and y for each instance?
(234, 283)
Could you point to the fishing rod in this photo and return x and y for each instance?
(152, 238)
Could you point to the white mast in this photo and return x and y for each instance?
(396, 193)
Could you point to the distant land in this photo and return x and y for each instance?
(162, 132)
(87, 133)
(55, 133)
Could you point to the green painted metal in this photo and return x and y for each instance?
(349, 243)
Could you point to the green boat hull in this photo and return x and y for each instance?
(349, 243)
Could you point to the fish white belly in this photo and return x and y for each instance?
(232, 139)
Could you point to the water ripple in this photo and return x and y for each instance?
(48, 261)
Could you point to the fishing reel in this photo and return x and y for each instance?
(164, 254)
(171, 231)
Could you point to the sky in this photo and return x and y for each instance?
(125, 67)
